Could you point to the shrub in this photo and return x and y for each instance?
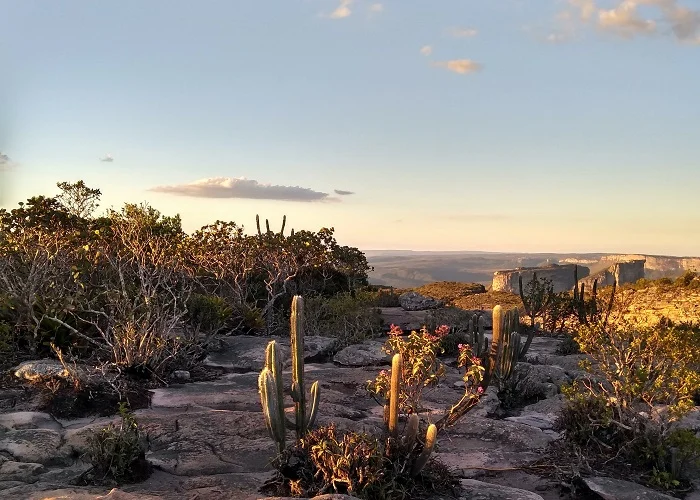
(421, 367)
(116, 452)
(568, 346)
(355, 463)
(686, 279)
(207, 313)
(351, 319)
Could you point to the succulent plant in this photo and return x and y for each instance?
(407, 441)
(270, 384)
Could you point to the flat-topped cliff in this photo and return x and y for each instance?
(561, 276)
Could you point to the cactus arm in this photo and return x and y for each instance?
(430, 439)
(284, 222)
(271, 408)
(315, 396)
(498, 320)
(411, 434)
(396, 370)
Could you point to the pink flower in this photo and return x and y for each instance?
(441, 331)
(480, 390)
(395, 330)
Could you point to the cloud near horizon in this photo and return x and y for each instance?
(240, 187)
(4, 160)
(341, 192)
(107, 158)
(629, 19)
(460, 66)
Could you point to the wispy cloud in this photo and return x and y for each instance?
(426, 50)
(341, 192)
(461, 66)
(343, 10)
(462, 32)
(240, 187)
(632, 18)
(4, 160)
(376, 8)
(107, 158)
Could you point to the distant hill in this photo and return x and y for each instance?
(409, 269)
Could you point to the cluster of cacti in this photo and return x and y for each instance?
(536, 301)
(407, 442)
(270, 384)
(587, 310)
(267, 226)
(502, 358)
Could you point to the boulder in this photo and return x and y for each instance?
(29, 420)
(414, 301)
(480, 490)
(181, 375)
(539, 380)
(368, 353)
(616, 489)
(43, 369)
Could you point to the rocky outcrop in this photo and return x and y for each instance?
(562, 277)
(414, 301)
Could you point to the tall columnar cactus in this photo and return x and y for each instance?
(407, 441)
(267, 226)
(303, 420)
(271, 394)
(270, 384)
(477, 338)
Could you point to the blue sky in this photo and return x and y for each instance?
(515, 125)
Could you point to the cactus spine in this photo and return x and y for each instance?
(270, 384)
(303, 421)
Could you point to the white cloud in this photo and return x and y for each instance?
(343, 10)
(461, 66)
(462, 32)
(240, 187)
(426, 50)
(107, 158)
(376, 8)
(633, 18)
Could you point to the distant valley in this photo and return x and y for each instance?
(405, 268)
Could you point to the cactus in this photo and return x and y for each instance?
(477, 338)
(267, 226)
(587, 310)
(430, 439)
(391, 411)
(303, 421)
(270, 384)
(394, 393)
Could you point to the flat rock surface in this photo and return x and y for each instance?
(616, 489)
(368, 353)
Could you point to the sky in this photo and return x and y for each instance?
(510, 125)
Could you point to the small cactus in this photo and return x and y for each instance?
(408, 440)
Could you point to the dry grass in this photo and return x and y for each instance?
(489, 300)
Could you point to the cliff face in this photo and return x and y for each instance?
(621, 272)
(562, 277)
(659, 263)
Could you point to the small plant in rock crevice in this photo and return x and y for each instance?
(116, 452)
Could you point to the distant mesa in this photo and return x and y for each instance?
(621, 272)
(562, 277)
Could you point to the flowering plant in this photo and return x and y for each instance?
(421, 366)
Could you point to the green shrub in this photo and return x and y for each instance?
(568, 346)
(207, 313)
(351, 319)
(116, 452)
